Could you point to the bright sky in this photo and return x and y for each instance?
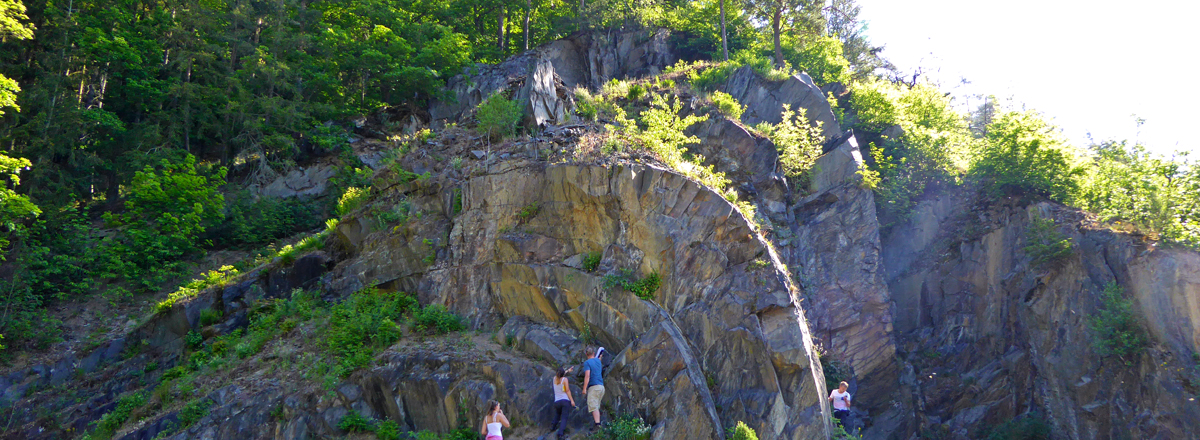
(1090, 65)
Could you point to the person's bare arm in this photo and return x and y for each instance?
(504, 420)
(483, 428)
(570, 395)
(587, 378)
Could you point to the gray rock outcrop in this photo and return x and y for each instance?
(764, 100)
(546, 76)
(992, 335)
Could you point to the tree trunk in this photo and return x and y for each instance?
(501, 34)
(776, 24)
(528, 9)
(724, 37)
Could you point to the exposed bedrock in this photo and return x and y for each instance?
(724, 339)
(992, 335)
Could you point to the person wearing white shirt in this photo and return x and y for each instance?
(841, 402)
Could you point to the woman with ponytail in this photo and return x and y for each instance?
(562, 398)
(493, 421)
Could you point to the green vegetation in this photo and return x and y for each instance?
(352, 199)
(1044, 243)
(498, 117)
(711, 77)
(644, 288)
(839, 431)
(623, 427)
(354, 422)
(112, 420)
(727, 105)
(529, 211)
(836, 371)
(798, 142)
(364, 323)
(193, 411)
(591, 261)
(1022, 155)
(1115, 330)
(741, 432)
(210, 279)
(434, 318)
(1127, 184)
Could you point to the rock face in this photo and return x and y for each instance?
(546, 75)
(991, 335)
(305, 182)
(836, 253)
(722, 331)
(764, 100)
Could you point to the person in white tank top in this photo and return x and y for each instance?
(494, 421)
(562, 398)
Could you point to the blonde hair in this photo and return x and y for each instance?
(843, 384)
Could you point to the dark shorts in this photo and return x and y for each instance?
(841, 415)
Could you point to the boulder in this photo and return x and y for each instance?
(764, 100)
(310, 181)
(543, 78)
(544, 99)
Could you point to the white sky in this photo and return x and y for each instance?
(1089, 65)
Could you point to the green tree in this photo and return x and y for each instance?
(1127, 183)
(800, 18)
(1024, 155)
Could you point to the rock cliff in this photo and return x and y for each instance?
(989, 334)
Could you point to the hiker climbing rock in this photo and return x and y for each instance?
(593, 380)
(563, 400)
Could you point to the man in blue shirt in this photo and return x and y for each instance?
(593, 379)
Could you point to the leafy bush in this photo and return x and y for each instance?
(1023, 155)
(354, 422)
(498, 117)
(1030, 427)
(664, 135)
(387, 430)
(1115, 327)
(110, 422)
(592, 261)
(636, 92)
(763, 65)
(436, 319)
(741, 432)
(529, 211)
(624, 427)
(799, 143)
(1044, 242)
(728, 105)
(1128, 184)
(194, 411)
(192, 288)
(352, 199)
(588, 106)
(644, 288)
(167, 209)
(712, 77)
(615, 88)
(822, 59)
(363, 323)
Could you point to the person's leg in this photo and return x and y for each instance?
(564, 410)
(555, 414)
(595, 393)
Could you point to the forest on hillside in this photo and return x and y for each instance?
(131, 128)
